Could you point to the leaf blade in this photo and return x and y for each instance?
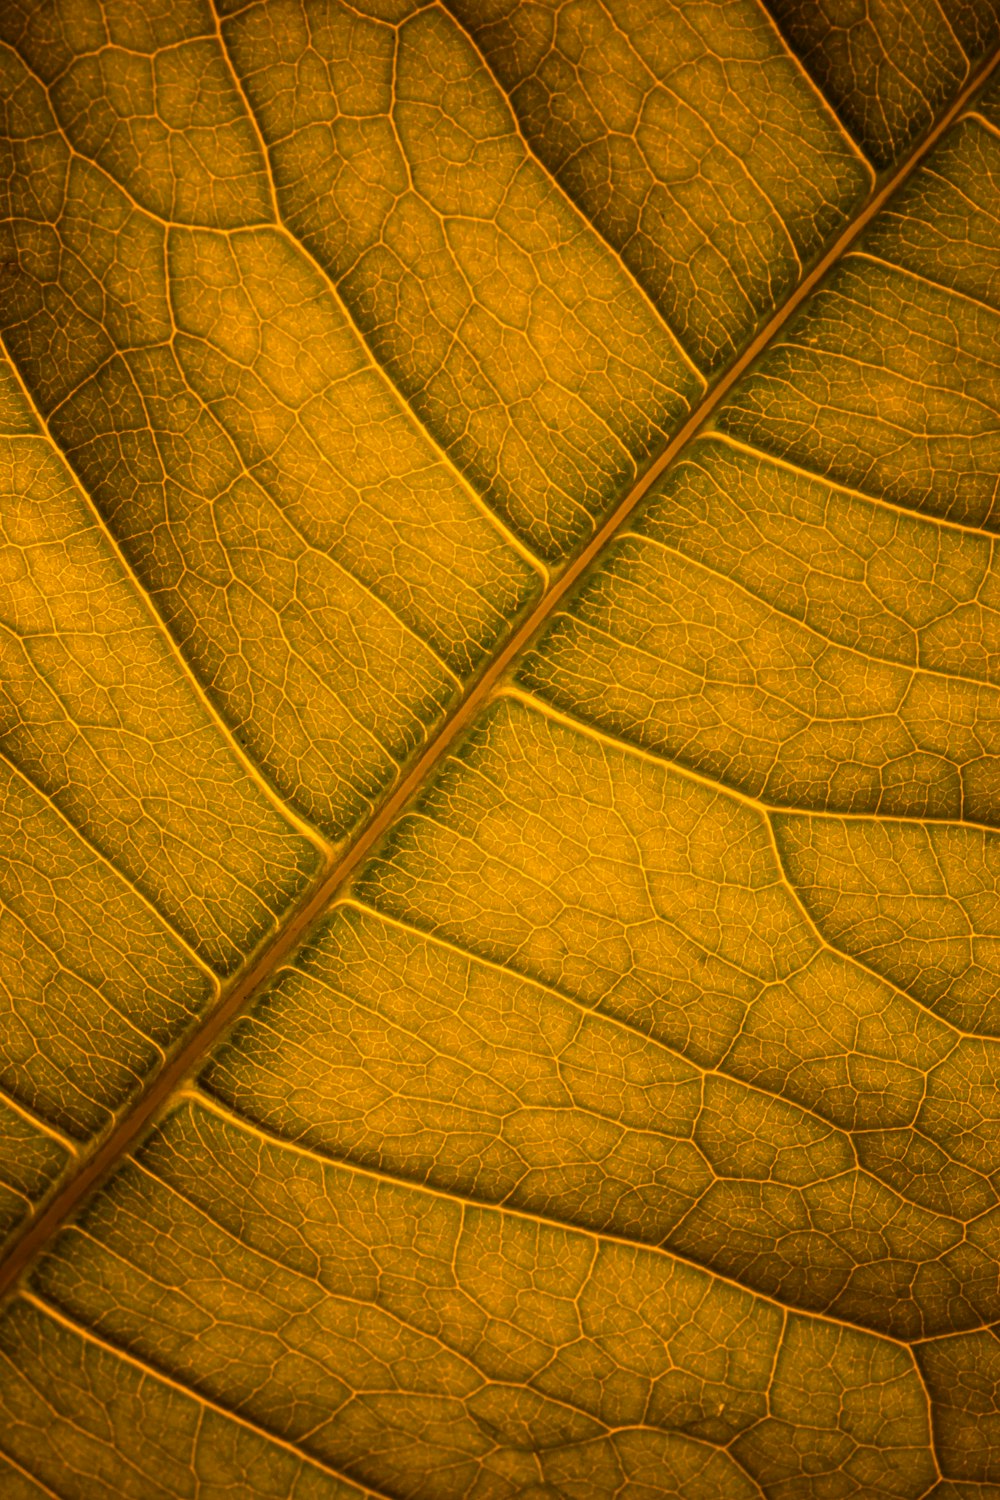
(882, 1432)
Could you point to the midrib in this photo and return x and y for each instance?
(270, 956)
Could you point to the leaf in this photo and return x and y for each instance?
(627, 1122)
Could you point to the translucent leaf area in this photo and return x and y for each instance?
(627, 1124)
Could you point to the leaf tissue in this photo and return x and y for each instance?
(500, 750)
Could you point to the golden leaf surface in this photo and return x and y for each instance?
(499, 601)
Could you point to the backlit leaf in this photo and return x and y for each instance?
(611, 1103)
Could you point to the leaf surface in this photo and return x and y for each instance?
(627, 1123)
